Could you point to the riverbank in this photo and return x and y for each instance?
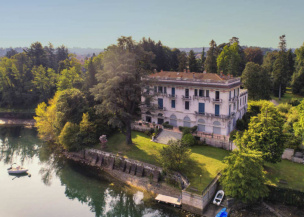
(17, 122)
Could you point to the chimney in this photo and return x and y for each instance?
(185, 70)
(193, 75)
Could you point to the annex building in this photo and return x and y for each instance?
(209, 101)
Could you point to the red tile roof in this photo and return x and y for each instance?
(189, 75)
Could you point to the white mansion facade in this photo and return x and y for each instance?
(209, 101)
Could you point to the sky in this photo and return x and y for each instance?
(177, 23)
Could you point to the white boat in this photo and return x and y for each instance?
(17, 170)
(218, 197)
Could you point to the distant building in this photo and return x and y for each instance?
(209, 101)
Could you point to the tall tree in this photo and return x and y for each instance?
(210, 63)
(291, 63)
(244, 178)
(174, 59)
(254, 54)
(265, 133)
(297, 82)
(229, 59)
(182, 61)
(119, 83)
(203, 59)
(257, 81)
(37, 54)
(193, 67)
(11, 52)
(280, 70)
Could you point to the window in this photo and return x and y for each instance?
(187, 122)
(173, 91)
(201, 93)
(217, 95)
(233, 106)
(187, 105)
(229, 94)
(207, 93)
(160, 103)
(165, 89)
(173, 103)
(245, 99)
(201, 108)
(195, 92)
(160, 89)
(217, 110)
(234, 93)
(238, 91)
(187, 93)
(155, 89)
(229, 109)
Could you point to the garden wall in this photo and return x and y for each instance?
(196, 203)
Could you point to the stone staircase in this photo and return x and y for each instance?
(166, 135)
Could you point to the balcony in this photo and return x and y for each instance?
(161, 108)
(186, 97)
(217, 100)
(200, 113)
(172, 96)
(233, 99)
(205, 98)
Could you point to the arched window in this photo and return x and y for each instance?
(173, 120)
(201, 125)
(187, 122)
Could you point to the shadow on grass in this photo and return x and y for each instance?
(211, 152)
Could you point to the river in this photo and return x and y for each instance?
(58, 188)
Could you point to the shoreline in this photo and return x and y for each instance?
(17, 122)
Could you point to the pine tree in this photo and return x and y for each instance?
(210, 63)
(182, 61)
(192, 62)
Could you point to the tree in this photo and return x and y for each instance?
(68, 137)
(268, 61)
(69, 78)
(11, 52)
(280, 70)
(297, 82)
(192, 62)
(202, 60)
(175, 155)
(243, 177)
(229, 59)
(291, 63)
(37, 54)
(174, 59)
(182, 61)
(87, 131)
(298, 126)
(254, 54)
(119, 83)
(210, 63)
(188, 139)
(265, 134)
(257, 81)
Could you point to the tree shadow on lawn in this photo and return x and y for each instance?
(197, 174)
(211, 152)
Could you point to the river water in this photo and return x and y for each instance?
(58, 188)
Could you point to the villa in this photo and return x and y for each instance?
(209, 101)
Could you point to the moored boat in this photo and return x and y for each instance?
(17, 170)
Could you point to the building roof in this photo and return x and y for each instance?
(189, 75)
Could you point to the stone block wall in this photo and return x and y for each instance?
(288, 154)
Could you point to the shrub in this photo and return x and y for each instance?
(284, 107)
(68, 137)
(293, 141)
(294, 102)
(241, 125)
(166, 125)
(187, 130)
(189, 139)
(233, 135)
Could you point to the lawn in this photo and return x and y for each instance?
(287, 96)
(286, 170)
(207, 160)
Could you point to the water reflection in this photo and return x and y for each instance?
(54, 177)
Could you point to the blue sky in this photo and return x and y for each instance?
(192, 23)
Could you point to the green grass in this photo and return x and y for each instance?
(206, 162)
(287, 96)
(286, 170)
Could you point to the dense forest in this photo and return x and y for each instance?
(106, 88)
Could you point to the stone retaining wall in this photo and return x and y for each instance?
(196, 203)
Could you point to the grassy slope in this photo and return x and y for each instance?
(287, 96)
(208, 161)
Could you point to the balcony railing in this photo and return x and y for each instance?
(211, 115)
(205, 98)
(200, 113)
(186, 97)
(217, 100)
(172, 96)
